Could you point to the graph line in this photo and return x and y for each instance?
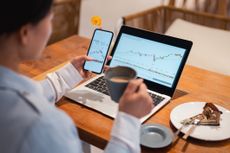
(154, 57)
(143, 68)
(97, 53)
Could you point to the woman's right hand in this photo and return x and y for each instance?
(135, 99)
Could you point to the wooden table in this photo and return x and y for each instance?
(195, 85)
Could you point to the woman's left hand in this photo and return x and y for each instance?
(78, 63)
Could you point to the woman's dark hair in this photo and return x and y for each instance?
(16, 13)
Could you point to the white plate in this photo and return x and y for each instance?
(208, 133)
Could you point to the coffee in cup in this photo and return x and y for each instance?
(120, 79)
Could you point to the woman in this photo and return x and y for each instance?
(29, 121)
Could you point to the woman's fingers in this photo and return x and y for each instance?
(106, 67)
(109, 58)
(133, 86)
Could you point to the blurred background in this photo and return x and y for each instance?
(205, 22)
(73, 16)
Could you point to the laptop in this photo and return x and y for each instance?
(158, 60)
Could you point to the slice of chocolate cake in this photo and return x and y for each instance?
(209, 116)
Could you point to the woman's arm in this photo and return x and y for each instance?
(125, 135)
(57, 83)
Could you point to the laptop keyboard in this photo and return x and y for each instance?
(156, 98)
(100, 85)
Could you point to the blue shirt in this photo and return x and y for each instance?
(30, 123)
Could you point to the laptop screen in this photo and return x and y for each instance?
(154, 61)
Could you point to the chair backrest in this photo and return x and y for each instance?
(219, 7)
(211, 47)
(158, 19)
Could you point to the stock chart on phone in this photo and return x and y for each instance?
(98, 50)
(154, 61)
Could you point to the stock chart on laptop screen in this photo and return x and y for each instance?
(153, 61)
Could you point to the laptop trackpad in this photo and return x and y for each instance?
(95, 100)
(84, 95)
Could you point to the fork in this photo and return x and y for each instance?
(179, 130)
(195, 123)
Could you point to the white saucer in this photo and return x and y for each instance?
(208, 133)
(155, 136)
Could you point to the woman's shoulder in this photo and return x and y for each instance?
(13, 104)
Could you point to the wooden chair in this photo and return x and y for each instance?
(159, 18)
(66, 19)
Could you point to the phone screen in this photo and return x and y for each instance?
(98, 50)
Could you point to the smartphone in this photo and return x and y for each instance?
(98, 50)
